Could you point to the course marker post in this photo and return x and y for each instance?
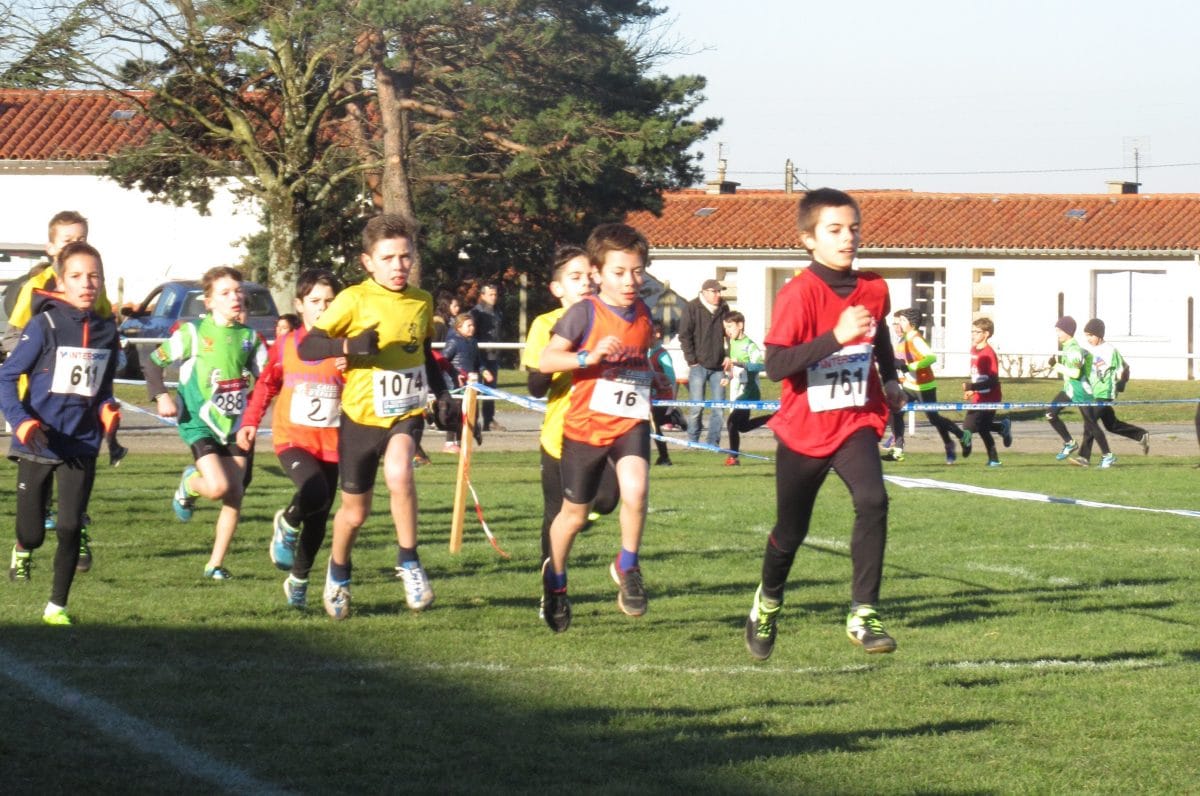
(465, 444)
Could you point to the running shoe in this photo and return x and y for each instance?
(296, 591)
(420, 460)
(951, 456)
(451, 447)
(893, 455)
(417, 591)
(336, 597)
(283, 542)
(21, 565)
(631, 594)
(761, 625)
(116, 452)
(217, 573)
(663, 461)
(51, 521)
(1145, 443)
(1068, 448)
(864, 629)
(1079, 461)
(967, 440)
(1006, 432)
(993, 463)
(56, 616)
(732, 461)
(184, 502)
(1107, 460)
(556, 606)
(85, 548)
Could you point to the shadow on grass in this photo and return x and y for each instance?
(306, 720)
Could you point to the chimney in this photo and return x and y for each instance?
(1122, 187)
(720, 184)
(789, 176)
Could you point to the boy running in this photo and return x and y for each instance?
(304, 426)
(828, 337)
(602, 342)
(745, 363)
(920, 386)
(1107, 364)
(384, 328)
(219, 358)
(984, 387)
(570, 283)
(1070, 363)
(68, 351)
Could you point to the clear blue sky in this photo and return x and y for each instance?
(857, 93)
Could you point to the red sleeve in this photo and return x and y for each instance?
(267, 387)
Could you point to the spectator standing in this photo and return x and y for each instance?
(702, 338)
(487, 330)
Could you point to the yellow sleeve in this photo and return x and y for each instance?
(335, 321)
(536, 340)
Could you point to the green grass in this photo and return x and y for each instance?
(1043, 648)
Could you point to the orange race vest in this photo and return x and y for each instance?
(308, 408)
(607, 400)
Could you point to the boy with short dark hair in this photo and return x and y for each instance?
(384, 328)
(602, 341)
(68, 351)
(830, 347)
(984, 387)
(1070, 362)
(741, 383)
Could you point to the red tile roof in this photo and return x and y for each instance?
(67, 125)
(930, 222)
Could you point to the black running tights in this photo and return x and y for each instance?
(75, 478)
(316, 484)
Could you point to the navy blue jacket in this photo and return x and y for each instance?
(62, 350)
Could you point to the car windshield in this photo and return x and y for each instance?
(165, 306)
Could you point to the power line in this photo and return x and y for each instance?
(811, 172)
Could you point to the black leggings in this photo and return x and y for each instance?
(1059, 426)
(607, 497)
(316, 484)
(75, 478)
(947, 429)
(739, 423)
(798, 478)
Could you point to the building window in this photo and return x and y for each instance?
(1130, 303)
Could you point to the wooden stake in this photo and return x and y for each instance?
(465, 444)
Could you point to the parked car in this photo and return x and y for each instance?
(172, 303)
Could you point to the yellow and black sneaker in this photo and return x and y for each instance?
(864, 629)
(20, 566)
(761, 625)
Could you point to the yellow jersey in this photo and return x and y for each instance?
(23, 309)
(388, 386)
(560, 385)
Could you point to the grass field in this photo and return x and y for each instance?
(1043, 647)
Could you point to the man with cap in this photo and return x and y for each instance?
(702, 337)
(1107, 364)
(1072, 363)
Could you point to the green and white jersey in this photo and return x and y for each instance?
(1107, 364)
(218, 365)
(1075, 367)
(747, 360)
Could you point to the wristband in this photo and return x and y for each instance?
(582, 358)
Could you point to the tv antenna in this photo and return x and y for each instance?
(1135, 154)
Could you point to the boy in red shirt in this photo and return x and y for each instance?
(602, 340)
(828, 337)
(984, 387)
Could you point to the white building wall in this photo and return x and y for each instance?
(143, 242)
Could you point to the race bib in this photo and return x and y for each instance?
(78, 371)
(839, 381)
(229, 397)
(623, 394)
(398, 391)
(315, 405)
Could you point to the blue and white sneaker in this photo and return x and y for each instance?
(217, 573)
(283, 542)
(417, 591)
(336, 596)
(1006, 432)
(1068, 448)
(1107, 460)
(296, 591)
(184, 503)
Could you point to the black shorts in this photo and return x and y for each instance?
(206, 445)
(582, 465)
(361, 447)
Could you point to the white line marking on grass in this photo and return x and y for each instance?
(1012, 494)
(121, 726)
(1021, 573)
(576, 669)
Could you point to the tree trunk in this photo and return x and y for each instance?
(284, 217)
(396, 190)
